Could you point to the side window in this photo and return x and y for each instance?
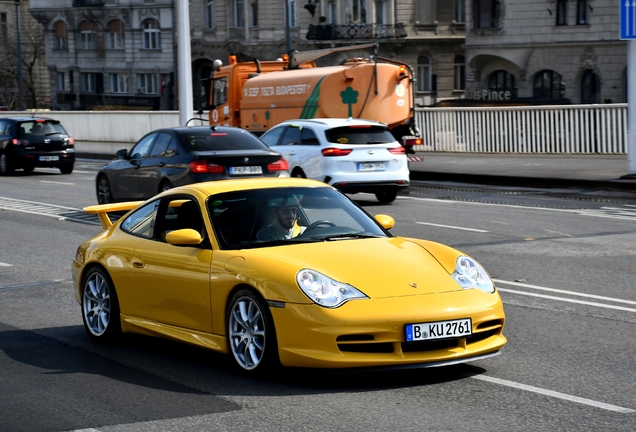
(220, 91)
(292, 136)
(161, 145)
(3, 128)
(271, 137)
(180, 212)
(142, 221)
(309, 137)
(142, 148)
(173, 148)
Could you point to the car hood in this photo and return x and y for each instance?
(383, 267)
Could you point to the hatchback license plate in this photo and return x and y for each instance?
(371, 166)
(438, 330)
(246, 170)
(48, 158)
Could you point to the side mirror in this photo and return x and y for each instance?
(121, 154)
(184, 237)
(386, 221)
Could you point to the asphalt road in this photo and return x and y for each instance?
(563, 262)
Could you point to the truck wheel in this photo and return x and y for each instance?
(386, 196)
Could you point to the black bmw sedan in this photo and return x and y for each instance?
(171, 157)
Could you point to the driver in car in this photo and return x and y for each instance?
(285, 226)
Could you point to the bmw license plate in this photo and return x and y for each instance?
(439, 330)
(48, 158)
(246, 170)
(371, 166)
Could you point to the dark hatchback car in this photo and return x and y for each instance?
(30, 142)
(171, 157)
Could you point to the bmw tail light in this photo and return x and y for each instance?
(202, 167)
(332, 151)
(280, 165)
(398, 150)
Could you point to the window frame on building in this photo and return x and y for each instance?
(460, 11)
(147, 83)
(356, 12)
(116, 34)
(4, 28)
(582, 13)
(151, 35)
(509, 82)
(87, 36)
(332, 12)
(424, 74)
(62, 82)
(459, 77)
(253, 13)
(61, 35)
(380, 12)
(548, 85)
(592, 80)
(119, 83)
(238, 13)
(561, 12)
(209, 14)
(88, 82)
(486, 14)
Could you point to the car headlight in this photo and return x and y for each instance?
(470, 274)
(325, 291)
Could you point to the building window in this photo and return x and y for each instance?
(426, 12)
(548, 85)
(332, 13)
(423, 74)
(502, 80)
(89, 82)
(209, 13)
(486, 13)
(61, 38)
(88, 35)
(254, 13)
(562, 13)
(4, 30)
(147, 83)
(590, 88)
(460, 11)
(582, 14)
(380, 12)
(62, 83)
(356, 11)
(239, 14)
(460, 72)
(293, 11)
(119, 83)
(151, 35)
(115, 38)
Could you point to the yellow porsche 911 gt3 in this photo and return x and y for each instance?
(283, 271)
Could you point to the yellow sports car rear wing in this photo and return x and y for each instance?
(102, 211)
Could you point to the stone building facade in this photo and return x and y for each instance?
(546, 51)
(102, 53)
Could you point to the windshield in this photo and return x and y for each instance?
(359, 135)
(208, 139)
(270, 217)
(41, 127)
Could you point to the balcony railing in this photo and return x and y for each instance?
(88, 3)
(354, 31)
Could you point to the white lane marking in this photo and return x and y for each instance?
(567, 300)
(572, 293)
(553, 393)
(582, 212)
(5, 265)
(56, 182)
(453, 227)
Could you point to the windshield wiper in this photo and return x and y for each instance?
(351, 235)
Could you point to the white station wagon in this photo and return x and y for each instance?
(352, 155)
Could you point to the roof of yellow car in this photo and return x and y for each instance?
(220, 186)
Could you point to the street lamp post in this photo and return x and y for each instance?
(287, 24)
(20, 82)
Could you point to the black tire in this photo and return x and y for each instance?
(104, 193)
(164, 186)
(66, 169)
(100, 306)
(298, 173)
(6, 165)
(386, 196)
(28, 168)
(251, 335)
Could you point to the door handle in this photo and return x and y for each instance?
(138, 263)
(162, 164)
(292, 153)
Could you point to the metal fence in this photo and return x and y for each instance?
(534, 129)
(528, 129)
